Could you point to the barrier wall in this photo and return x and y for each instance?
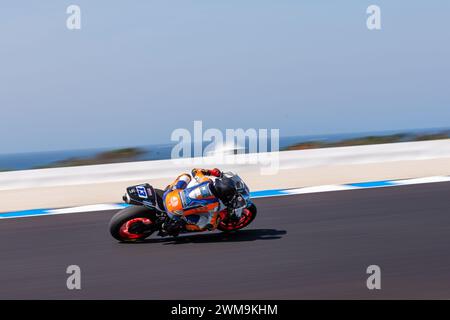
(73, 186)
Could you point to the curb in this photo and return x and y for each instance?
(255, 195)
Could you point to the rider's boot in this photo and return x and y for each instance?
(173, 227)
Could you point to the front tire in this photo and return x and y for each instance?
(132, 224)
(248, 215)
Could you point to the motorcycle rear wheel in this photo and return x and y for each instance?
(132, 224)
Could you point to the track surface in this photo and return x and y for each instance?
(299, 247)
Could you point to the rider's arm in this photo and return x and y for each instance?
(180, 183)
(201, 175)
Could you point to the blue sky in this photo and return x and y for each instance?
(137, 70)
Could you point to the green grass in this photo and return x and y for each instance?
(368, 140)
(113, 156)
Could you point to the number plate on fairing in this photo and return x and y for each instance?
(143, 194)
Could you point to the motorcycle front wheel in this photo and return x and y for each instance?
(248, 215)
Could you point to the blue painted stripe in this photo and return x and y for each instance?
(254, 194)
(24, 213)
(373, 184)
(268, 193)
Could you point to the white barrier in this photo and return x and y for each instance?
(147, 170)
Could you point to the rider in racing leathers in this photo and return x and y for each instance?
(197, 208)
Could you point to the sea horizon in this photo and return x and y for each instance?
(161, 151)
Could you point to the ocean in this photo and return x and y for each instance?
(31, 160)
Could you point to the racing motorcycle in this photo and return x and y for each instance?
(144, 213)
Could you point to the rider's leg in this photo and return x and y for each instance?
(192, 221)
(204, 221)
(174, 224)
(174, 209)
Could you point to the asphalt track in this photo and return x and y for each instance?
(299, 247)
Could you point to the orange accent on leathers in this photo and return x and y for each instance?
(173, 202)
(175, 206)
(199, 175)
(193, 227)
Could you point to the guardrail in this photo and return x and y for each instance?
(147, 170)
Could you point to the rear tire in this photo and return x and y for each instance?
(123, 222)
(226, 226)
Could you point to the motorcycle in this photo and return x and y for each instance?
(145, 213)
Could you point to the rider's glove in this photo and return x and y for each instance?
(215, 172)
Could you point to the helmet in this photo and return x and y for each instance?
(225, 190)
